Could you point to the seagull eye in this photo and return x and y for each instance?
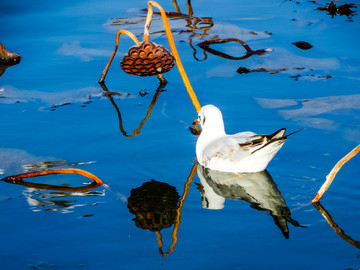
(202, 121)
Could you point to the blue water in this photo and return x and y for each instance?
(53, 113)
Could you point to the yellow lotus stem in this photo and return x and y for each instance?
(330, 177)
(131, 35)
(173, 49)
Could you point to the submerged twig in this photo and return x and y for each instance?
(330, 177)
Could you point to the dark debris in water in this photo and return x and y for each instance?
(89, 215)
(195, 130)
(244, 70)
(143, 93)
(333, 10)
(296, 77)
(53, 107)
(303, 45)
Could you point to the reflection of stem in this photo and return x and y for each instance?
(102, 78)
(330, 177)
(176, 6)
(336, 228)
(18, 179)
(152, 104)
(173, 49)
(178, 216)
(190, 11)
(249, 52)
(195, 51)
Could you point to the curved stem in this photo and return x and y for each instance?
(106, 69)
(330, 177)
(18, 179)
(173, 49)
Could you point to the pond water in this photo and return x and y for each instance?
(157, 210)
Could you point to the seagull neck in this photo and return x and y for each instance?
(215, 133)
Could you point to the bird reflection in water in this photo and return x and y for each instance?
(258, 189)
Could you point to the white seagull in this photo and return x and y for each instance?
(244, 152)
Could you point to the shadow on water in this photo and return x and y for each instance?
(258, 189)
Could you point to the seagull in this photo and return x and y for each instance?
(244, 152)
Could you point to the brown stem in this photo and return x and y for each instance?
(18, 179)
(106, 69)
(249, 52)
(330, 177)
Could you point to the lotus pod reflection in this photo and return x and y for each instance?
(154, 204)
(147, 59)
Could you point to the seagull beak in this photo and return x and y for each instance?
(196, 122)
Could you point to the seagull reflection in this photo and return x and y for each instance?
(258, 189)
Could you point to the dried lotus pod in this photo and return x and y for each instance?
(147, 59)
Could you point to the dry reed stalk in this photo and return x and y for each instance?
(330, 177)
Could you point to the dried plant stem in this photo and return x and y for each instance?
(330, 177)
(173, 49)
(18, 179)
(131, 35)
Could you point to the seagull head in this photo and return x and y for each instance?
(210, 118)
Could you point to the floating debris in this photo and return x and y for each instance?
(195, 129)
(7, 57)
(249, 52)
(303, 45)
(244, 70)
(333, 10)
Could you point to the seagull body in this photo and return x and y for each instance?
(244, 152)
